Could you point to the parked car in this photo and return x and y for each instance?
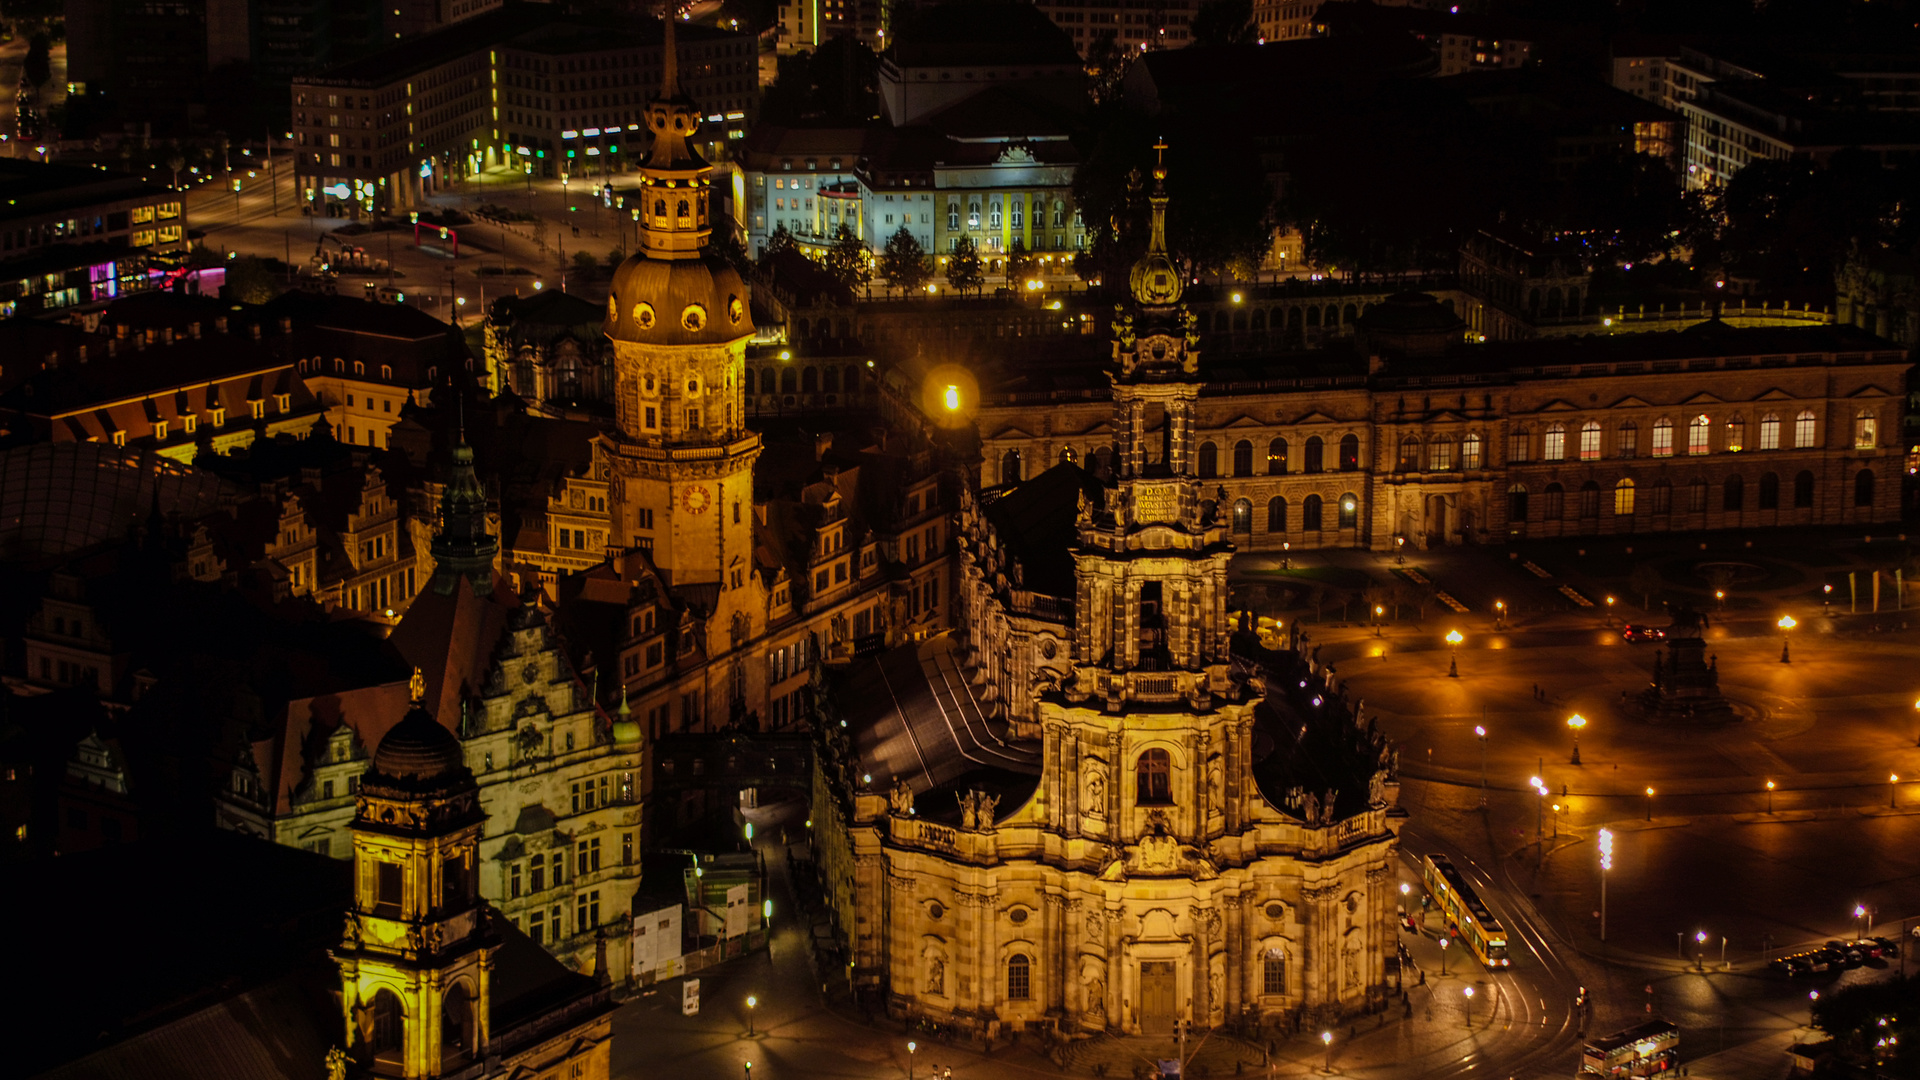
(1637, 632)
(1889, 948)
(1839, 956)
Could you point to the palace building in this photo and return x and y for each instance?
(1097, 806)
(1407, 433)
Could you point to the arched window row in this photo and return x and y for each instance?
(1552, 503)
(1587, 440)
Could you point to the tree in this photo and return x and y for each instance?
(1020, 265)
(1225, 22)
(779, 243)
(964, 270)
(904, 262)
(39, 63)
(251, 281)
(849, 261)
(1107, 64)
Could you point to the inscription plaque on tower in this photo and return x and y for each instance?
(1156, 502)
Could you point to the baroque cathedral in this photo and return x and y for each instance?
(1105, 803)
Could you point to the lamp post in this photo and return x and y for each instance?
(1540, 808)
(1499, 614)
(1893, 791)
(749, 1070)
(1482, 733)
(1378, 611)
(1575, 723)
(1606, 864)
(1326, 1040)
(911, 1048)
(1453, 661)
(1609, 611)
(751, 1003)
(1785, 624)
(1769, 796)
(1468, 991)
(1699, 951)
(1444, 941)
(1649, 804)
(1556, 821)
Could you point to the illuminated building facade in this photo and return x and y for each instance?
(1097, 827)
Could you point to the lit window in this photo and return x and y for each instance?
(1699, 430)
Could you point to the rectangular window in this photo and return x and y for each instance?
(1555, 447)
(1519, 446)
(626, 849)
(1440, 455)
(1663, 439)
(514, 884)
(1663, 498)
(1699, 431)
(537, 872)
(1803, 431)
(1866, 431)
(1736, 435)
(587, 911)
(652, 418)
(1273, 977)
(1629, 440)
(1590, 442)
(536, 927)
(387, 878)
(1769, 433)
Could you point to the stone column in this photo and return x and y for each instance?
(1070, 813)
(1056, 995)
(988, 928)
(1204, 919)
(1116, 973)
(1380, 939)
(1318, 948)
(900, 966)
(1072, 935)
(1059, 786)
(1236, 953)
(1118, 773)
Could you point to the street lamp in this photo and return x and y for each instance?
(1576, 722)
(1377, 612)
(752, 1002)
(1469, 992)
(1785, 624)
(1482, 733)
(1499, 614)
(1609, 611)
(749, 1070)
(1540, 808)
(1699, 951)
(1326, 1040)
(1893, 791)
(1556, 821)
(1444, 941)
(1720, 597)
(1606, 864)
(1649, 804)
(1769, 796)
(911, 1048)
(1453, 662)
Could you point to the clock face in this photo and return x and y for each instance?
(696, 499)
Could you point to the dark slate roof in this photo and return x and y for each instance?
(128, 939)
(912, 717)
(996, 33)
(30, 188)
(1035, 524)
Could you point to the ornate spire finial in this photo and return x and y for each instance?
(669, 53)
(1156, 281)
(417, 687)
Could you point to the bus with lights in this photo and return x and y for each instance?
(1649, 1049)
(1477, 927)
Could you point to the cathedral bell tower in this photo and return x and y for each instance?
(417, 957)
(1156, 734)
(681, 457)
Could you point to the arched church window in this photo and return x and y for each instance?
(1153, 778)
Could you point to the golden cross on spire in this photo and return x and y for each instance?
(417, 687)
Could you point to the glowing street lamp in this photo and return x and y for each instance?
(1785, 624)
(752, 1003)
(1499, 614)
(1893, 791)
(1469, 992)
(1444, 942)
(1540, 808)
(1699, 951)
(1610, 602)
(1606, 864)
(952, 398)
(1482, 733)
(1453, 661)
(1326, 1040)
(912, 1047)
(1556, 820)
(1378, 611)
(1649, 804)
(1575, 723)
(1769, 796)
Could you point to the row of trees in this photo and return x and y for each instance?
(905, 264)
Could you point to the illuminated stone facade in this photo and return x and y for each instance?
(1157, 861)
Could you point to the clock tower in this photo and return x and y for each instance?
(680, 459)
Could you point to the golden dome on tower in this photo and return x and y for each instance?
(699, 301)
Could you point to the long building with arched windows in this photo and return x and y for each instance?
(1414, 436)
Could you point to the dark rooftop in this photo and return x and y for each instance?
(996, 34)
(31, 188)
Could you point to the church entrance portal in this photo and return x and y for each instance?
(1156, 997)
